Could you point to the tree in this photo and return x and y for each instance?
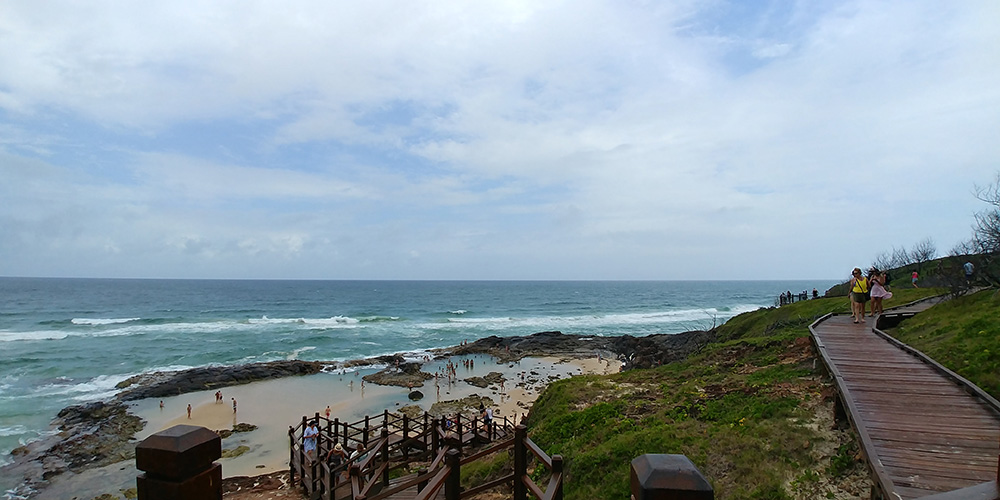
(900, 258)
(883, 261)
(986, 231)
(922, 252)
(983, 250)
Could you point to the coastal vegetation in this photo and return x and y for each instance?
(962, 334)
(753, 410)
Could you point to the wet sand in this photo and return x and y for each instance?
(274, 405)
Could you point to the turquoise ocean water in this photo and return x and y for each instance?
(68, 341)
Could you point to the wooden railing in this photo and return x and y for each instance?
(402, 441)
(989, 490)
(448, 474)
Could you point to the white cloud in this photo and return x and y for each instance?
(489, 139)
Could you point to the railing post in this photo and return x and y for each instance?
(329, 434)
(291, 454)
(406, 436)
(557, 468)
(453, 485)
(385, 455)
(319, 438)
(426, 438)
(302, 456)
(435, 438)
(520, 462)
(367, 431)
(179, 463)
(668, 477)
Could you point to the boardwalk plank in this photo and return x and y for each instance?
(926, 432)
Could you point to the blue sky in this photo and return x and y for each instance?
(490, 140)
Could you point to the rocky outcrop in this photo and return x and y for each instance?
(101, 433)
(484, 382)
(162, 384)
(90, 435)
(657, 350)
(634, 352)
(402, 375)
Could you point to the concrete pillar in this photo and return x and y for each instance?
(179, 463)
(668, 477)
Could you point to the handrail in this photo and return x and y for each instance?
(488, 451)
(434, 485)
(399, 435)
(969, 387)
(544, 457)
(988, 490)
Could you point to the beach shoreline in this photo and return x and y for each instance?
(274, 405)
(275, 396)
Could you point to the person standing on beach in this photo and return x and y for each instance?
(327, 411)
(234, 405)
(859, 295)
(189, 412)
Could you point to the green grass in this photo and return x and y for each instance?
(740, 410)
(962, 334)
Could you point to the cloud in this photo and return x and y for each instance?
(494, 139)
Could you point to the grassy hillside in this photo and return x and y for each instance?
(752, 411)
(962, 334)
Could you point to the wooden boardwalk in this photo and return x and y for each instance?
(924, 431)
(446, 444)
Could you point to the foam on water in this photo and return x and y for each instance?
(66, 341)
(102, 321)
(9, 336)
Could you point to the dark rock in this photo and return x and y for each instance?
(91, 435)
(477, 382)
(634, 352)
(243, 427)
(416, 396)
(404, 375)
(161, 384)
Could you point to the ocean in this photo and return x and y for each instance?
(69, 341)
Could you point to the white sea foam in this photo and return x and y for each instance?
(14, 430)
(102, 321)
(458, 312)
(332, 322)
(682, 317)
(295, 354)
(9, 336)
(100, 387)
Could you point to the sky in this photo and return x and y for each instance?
(549, 140)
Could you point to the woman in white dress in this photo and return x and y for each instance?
(878, 291)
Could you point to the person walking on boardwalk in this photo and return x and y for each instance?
(859, 295)
(309, 439)
(878, 291)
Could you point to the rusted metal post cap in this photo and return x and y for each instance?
(178, 452)
(668, 477)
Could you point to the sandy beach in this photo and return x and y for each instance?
(275, 405)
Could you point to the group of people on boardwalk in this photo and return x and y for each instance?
(864, 288)
(336, 456)
(788, 297)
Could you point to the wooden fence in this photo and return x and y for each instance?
(397, 441)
